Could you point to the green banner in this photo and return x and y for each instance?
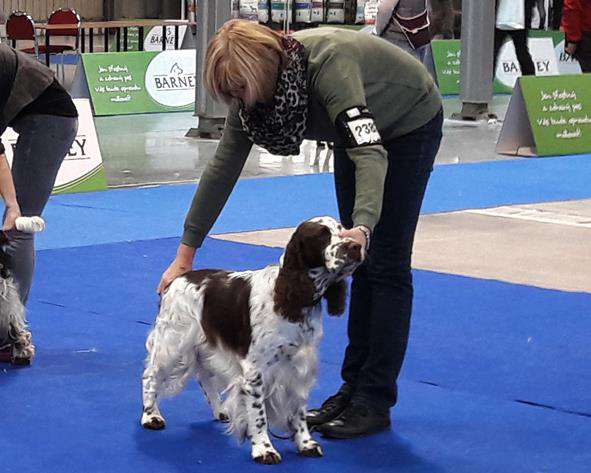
(94, 180)
(559, 111)
(133, 40)
(141, 82)
(446, 56)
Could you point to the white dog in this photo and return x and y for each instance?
(251, 337)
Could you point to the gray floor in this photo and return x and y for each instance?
(153, 148)
(545, 245)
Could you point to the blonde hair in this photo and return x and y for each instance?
(243, 56)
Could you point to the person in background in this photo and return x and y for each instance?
(576, 24)
(556, 14)
(405, 23)
(441, 18)
(38, 108)
(383, 111)
(541, 8)
(519, 38)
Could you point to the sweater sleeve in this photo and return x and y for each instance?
(338, 84)
(571, 20)
(217, 182)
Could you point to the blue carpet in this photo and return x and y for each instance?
(476, 347)
(256, 204)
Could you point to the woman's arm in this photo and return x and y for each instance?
(216, 184)
(571, 20)
(345, 104)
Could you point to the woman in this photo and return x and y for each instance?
(405, 23)
(38, 108)
(519, 38)
(576, 23)
(383, 112)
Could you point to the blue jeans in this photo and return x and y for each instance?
(381, 290)
(43, 142)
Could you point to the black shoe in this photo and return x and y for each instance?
(330, 408)
(355, 421)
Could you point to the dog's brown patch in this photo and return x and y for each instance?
(226, 309)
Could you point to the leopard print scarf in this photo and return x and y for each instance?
(279, 126)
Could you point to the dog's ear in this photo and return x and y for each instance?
(294, 290)
(336, 298)
(306, 246)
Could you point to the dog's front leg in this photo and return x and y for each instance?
(254, 400)
(305, 444)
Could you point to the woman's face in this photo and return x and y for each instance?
(238, 93)
(267, 87)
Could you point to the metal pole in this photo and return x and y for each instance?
(211, 15)
(476, 74)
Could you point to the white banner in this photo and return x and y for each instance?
(566, 63)
(543, 56)
(170, 77)
(84, 159)
(153, 40)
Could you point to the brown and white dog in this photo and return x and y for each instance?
(251, 337)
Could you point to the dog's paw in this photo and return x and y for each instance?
(153, 421)
(311, 449)
(266, 455)
(23, 350)
(223, 417)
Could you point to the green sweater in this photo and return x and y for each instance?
(345, 69)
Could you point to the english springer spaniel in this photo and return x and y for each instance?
(251, 338)
(16, 344)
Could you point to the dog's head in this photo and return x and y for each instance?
(315, 264)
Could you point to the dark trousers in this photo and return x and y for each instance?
(583, 53)
(381, 289)
(519, 38)
(43, 142)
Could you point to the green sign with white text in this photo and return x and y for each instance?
(559, 111)
(141, 82)
(446, 56)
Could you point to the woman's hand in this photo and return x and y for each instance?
(357, 234)
(12, 213)
(571, 48)
(181, 264)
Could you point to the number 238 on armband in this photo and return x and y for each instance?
(358, 127)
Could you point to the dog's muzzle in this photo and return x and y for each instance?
(350, 252)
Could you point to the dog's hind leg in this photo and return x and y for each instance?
(151, 417)
(170, 362)
(305, 444)
(171, 357)
(211, 390)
